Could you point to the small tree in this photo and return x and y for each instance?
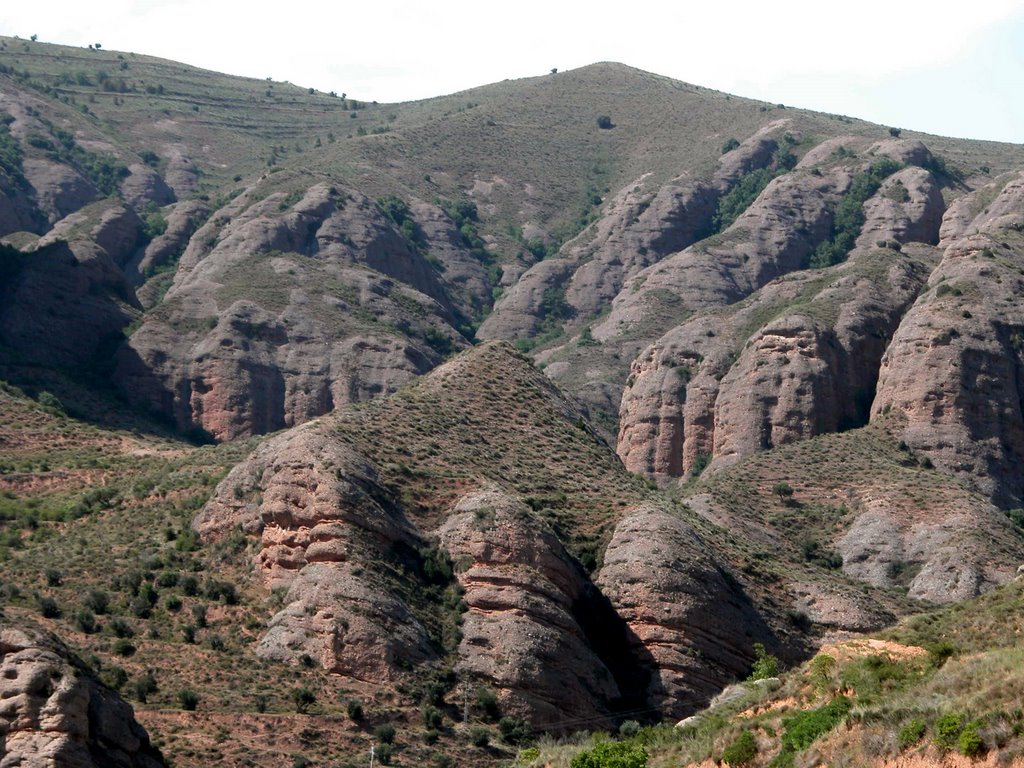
(784, 491)
(765, 665)
(303, 699)
(605, 122)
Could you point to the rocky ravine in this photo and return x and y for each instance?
(54, 714)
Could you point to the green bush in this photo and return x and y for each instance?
(86, 621)
(849, 214)
(605, 122)
(514, 731)
(432, 717)
(948, 729)
(612, 754)
(527, 756)
(479, 736)
(729, 145)
(124, 647)
(354, 709)
(487, 700)
(911, 733)
(384, 733)
(629, 728)
(765, 665)
(48, 607)
(188, 699)
(303, 699)
(741, 751)
(822, 667)
(969, 742)
(803, 728)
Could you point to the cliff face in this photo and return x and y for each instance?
(54, 713)
(953, 370)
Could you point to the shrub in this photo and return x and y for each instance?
(911, 733)
(188, 699)
(384, 753)
(939, 653)
(384, 733)
(804, 727)
(741, 751)
(303, 699)
(947, 730)
(612, 754)
(605, 122)
(120, 628)
(479, 736)
(48, 607)
(765, 665)
(354, 710)
(822, 667)
(53, 577)
(144, 686)
(729, 145)
(432, 717)
(969, 743)
(487, 700)
(86, 622)
(629, 728)
(783, 490)
(124, 647)
(514, 731)
(527, 756)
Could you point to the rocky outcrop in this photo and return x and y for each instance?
(683, 609)
(349, 308)
(708, 390)
(776, 235)
(325, 526)
(182, 222)
(144, 186)
(57, 189)
(520, 633)
(55, 714)
(70, 290)
(941, 555)
(954, 369)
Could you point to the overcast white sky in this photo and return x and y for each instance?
(945, 68)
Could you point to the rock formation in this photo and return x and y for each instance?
(55, 714)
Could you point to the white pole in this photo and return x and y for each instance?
(371, 756)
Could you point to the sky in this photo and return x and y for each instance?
(939, 67)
